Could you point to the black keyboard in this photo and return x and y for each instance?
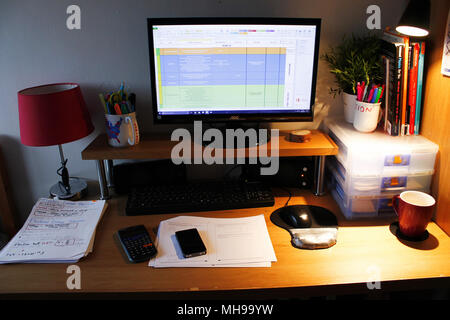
(201, 196)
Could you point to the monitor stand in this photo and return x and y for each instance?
(243, 135)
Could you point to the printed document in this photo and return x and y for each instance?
(230, 242)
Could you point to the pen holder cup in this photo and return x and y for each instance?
(367, 116)
(122, 130)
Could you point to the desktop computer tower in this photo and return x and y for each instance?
(147, 173)
(297, 172)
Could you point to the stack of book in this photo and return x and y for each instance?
(403, 64)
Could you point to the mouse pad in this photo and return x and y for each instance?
(320, 217)
(320, 234)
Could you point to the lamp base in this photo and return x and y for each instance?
(78, 189)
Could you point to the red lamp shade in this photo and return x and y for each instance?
(53, 114)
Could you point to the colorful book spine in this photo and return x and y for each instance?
(412, 96)
(392, 56)
(420, 67)
(408, 93)
(399, 90)
(405, 87)
(393, 36)
(387, 84)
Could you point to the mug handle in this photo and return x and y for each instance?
(130, 121)
(395, 201)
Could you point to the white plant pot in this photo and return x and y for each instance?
(349, 101)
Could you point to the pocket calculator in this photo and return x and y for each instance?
(136, 243)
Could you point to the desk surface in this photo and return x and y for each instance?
(364, 250)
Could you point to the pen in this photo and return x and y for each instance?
(369, 98)
(365, 93)
(130, 109)
(375, 100)
(375, 93)
(117, 108)
(108, 110)
(378, 95)
(363, 90)
(123, 107)
(382, 92)
(120, 92)
(118, 102)
(102, 100)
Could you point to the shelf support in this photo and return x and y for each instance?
(319, 175)
(109, 173)
(104, 192)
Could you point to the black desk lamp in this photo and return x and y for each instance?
(415, 21)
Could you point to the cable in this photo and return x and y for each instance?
(290, 195)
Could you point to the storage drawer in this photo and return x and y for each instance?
(380, 154)
(367, 205)
(377, 184)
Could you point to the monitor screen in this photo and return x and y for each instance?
(229, 69)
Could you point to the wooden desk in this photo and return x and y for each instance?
(362, 250)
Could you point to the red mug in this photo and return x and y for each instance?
(414, 210)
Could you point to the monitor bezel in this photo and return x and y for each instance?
(233, 117)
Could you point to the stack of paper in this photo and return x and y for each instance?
(56, 231)
(237, 242)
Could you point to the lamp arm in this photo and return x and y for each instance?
(63, 172)
(65, 176)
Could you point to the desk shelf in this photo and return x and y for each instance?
(159, 146)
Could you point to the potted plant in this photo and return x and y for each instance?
(355, 59)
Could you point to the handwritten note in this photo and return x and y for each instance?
(55, 231)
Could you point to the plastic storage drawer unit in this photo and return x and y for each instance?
(364, 205)
(378, 183)
(370, 169)
(378, 153)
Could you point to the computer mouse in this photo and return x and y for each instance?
(296, 216)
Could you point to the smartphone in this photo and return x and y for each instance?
(191, 243)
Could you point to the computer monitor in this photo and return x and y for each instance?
(233, 69)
